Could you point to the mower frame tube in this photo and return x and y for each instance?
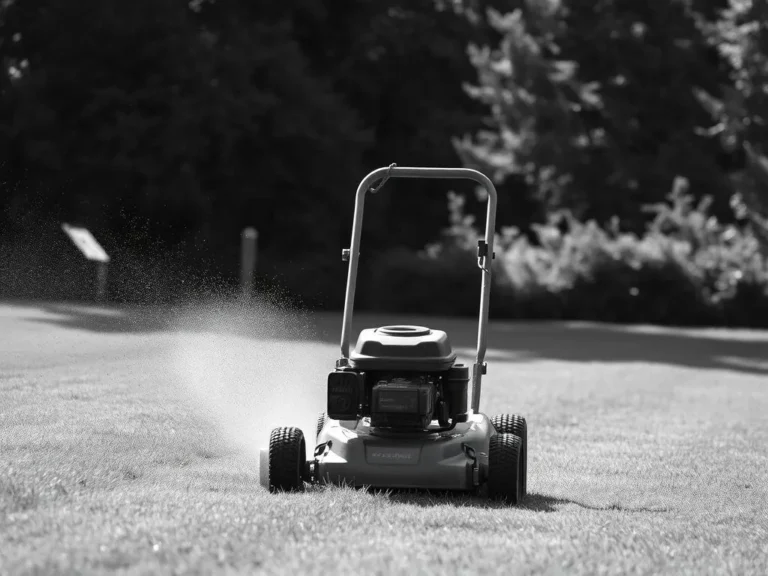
(490, 229)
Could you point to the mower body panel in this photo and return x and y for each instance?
(402, 348)
(352, 453)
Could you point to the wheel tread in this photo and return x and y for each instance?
(503, 464)
(287, 453)
(517, 425)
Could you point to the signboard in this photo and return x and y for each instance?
(86, 243)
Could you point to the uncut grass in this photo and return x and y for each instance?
(632, 469)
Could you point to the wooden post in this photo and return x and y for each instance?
(101, 281)
(249, 238)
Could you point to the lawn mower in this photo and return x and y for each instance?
(397, 414)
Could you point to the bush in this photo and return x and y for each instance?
(308, 280)
(442, 279)
(687, 269)
(39, 262)
(403, 281)
(44, 265)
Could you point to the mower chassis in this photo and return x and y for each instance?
(352, 453)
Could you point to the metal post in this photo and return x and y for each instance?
(101, 281)
(249, 238)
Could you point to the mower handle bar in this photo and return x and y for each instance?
(384, 174)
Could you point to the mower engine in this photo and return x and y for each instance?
(409, 402)
(428, 386)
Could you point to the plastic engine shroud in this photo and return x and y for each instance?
(403, 348)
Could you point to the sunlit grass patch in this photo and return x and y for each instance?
(110, 464)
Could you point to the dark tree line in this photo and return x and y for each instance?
(181, 122)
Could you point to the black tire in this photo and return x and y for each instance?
(287, 458)
(514, 424)
(321, 420)
(504, 468)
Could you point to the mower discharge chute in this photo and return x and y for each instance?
(397, 413)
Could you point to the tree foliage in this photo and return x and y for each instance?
(591, 104)
(184, 122)
(536, 130)
(185, 119)
(177, 122)
(739, 106)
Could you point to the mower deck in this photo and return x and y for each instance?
(353, 453)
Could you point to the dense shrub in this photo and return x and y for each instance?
(310, 280)
(688, 268)
(45, 265)
(442, 279)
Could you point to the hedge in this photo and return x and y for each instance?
(686, 269)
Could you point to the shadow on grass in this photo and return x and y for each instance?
(508, 341)
(229, 318)
(95, 318)
(534, 502)
(544, 503)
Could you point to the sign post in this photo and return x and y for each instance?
(92, 250)
(249, 238)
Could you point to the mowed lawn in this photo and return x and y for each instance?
(129, 438)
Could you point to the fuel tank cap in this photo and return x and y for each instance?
(404, 330)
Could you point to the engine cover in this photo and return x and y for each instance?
(344, 394)
(403, 403)
(403, 348)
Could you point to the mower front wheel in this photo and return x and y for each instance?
(287, 458)
(514, 424)
(504, 461)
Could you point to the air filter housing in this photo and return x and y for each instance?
(402, 348)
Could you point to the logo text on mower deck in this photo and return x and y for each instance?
(381, 455)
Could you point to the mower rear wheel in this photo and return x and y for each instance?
(514, 424)
(321, 420)
(287, 458)
(504, 463)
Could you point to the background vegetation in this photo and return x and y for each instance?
(625, 138)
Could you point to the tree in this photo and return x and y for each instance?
(399, 65)
(741, 36)
(192, 120)
(535, 99)
(591, 105)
